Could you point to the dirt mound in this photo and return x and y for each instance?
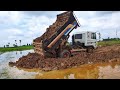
(108, 48)
(34, 60)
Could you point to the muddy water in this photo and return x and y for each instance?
(88, 71)
(7, 72)
(109, 70)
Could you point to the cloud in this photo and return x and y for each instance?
(28, 25)
(85, 14)
(105, 12)
(36, 26)
(13, 31)
(10, 17)
(42, 13)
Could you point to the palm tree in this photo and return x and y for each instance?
(16, 44)
(13, 45)
(15, 41)
(20, 42)
(8, 44)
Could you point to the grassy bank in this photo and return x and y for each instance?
(108, 43)
(19, 48)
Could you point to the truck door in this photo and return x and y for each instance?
(91, 39)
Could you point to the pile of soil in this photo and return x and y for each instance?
(34, 60)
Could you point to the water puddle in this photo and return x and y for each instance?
(106, 70)
(7, 72)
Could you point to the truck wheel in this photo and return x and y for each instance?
(65, 54)
(90, 49)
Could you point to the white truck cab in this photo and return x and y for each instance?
(86, 39)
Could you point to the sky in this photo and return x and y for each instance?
(28, 25)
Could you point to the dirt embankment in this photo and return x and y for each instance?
(34, 60)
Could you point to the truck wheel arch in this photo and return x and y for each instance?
(65, 53)
(90, 49)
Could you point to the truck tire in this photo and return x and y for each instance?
(90, 49)
(65, 54)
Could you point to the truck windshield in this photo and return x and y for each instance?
(78, 36)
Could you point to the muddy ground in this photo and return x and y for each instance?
(102, 54)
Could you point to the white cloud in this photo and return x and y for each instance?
(8, 17)
(29, 25)
(36, 26)
(14, 31)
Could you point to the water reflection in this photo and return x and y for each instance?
(7, 72)
(20, 52)
(91, 71)
(109, 71)
(81, 72)
(16, 52)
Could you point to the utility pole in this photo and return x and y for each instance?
(99, 36)
(116, 34)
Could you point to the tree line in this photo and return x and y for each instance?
(111, 39)
(16, 44)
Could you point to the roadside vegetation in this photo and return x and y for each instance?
(108, 43)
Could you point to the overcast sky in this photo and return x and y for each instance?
(27, 25)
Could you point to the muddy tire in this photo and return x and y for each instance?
(65, 54)
(90, 49)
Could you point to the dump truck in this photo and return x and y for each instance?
(54, 42)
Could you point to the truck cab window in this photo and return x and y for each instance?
(93, 36)
(78, 36)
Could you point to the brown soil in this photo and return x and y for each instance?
(102, 54)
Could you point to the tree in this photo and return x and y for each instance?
(13, 45)
(27, 44)
(8, 44)
(20, 42)
(15, 42)
(4, 46)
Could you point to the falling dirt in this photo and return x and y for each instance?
(102, 54)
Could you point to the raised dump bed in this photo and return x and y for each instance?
(47, 41)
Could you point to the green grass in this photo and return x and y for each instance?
(19, 48)
(108, 43)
